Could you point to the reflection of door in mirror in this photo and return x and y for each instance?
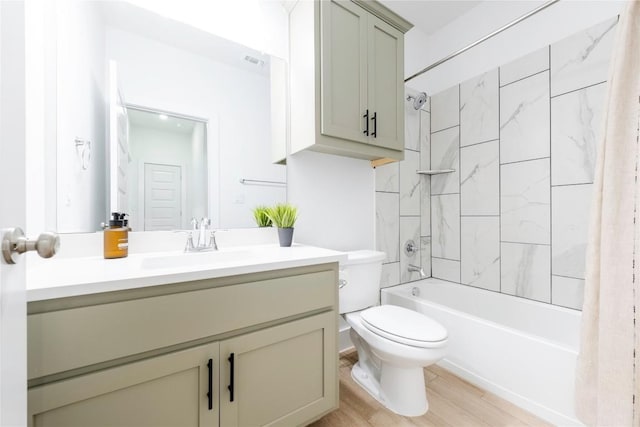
(168, 155)
(162, 197)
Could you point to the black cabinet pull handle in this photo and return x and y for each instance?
(366, 123)
(210, 392)
(230, 387)
(375, 124)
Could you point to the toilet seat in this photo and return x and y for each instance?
(404, 326)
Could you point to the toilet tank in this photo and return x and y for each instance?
(360, 275)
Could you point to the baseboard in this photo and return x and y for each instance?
(344, 341)
(535, 408)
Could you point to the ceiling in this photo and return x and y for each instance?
(430, 15)
(167, 123)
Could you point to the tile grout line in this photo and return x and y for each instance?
(524, 243)
(430, 186)
(550, 190)
(459, 177)
(499, 189)
(522, 78)
(447, 128)
(525, 160)
(479, 143)
(573, 90)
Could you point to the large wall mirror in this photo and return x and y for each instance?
(154, 118)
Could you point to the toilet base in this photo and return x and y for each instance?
(401, 390)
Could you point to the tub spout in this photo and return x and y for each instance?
(418, 269)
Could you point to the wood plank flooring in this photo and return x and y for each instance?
(452, 402)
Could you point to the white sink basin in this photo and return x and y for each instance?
(192, 259)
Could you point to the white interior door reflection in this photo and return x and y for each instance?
(167, 170)
(163, 202)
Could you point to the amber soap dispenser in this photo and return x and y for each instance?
(116, 237)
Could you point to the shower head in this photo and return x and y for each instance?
(418, 100)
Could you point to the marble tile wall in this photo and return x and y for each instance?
(403, 200)
(522, 139)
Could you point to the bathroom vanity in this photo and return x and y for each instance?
(242, 337)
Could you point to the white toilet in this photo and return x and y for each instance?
(394, 344)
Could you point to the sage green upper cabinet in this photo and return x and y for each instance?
(346, 79)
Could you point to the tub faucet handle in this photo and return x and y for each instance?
(410, 248)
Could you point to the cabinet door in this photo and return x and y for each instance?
(386, 84)
(168, 390)
(343, 42)
(285, 375)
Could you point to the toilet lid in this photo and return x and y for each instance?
(403, 325)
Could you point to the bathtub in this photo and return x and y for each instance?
(521, 350)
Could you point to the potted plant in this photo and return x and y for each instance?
(261, 215)
(283, 216)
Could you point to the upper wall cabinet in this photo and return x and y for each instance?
(347, 72)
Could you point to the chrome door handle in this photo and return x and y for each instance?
(15, 243)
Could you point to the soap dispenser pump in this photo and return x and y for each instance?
(116, 237)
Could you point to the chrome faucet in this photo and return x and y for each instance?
(206, 240)
(413, 268)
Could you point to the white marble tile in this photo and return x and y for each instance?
(524, 119)
(390, 275)
(479, 109)
(445, 269)
(425, 140)
(410, 184)
(480, 179)
(525, 202)
(570, 222)
(425, 253)
(576, 120)
(425, 181)
(425, 205)
(567, 292)
(526, 271)
(409, 230)
(411, 123)
(445, 109)
(388, 177)
(388, 225)
(582, 59)
(445, 154)
(480, 252)
(445, 226)
(526, 66)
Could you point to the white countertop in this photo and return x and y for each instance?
(68, 277)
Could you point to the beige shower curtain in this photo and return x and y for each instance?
(608, 370)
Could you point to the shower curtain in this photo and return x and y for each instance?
(608, 369)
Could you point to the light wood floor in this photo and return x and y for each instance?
(452, 402)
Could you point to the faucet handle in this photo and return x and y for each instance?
(212, 240)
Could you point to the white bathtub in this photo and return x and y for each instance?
(521, 350)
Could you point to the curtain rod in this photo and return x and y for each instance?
(485, 38)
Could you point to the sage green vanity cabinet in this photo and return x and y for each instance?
(151, 356)
(168, 390)
(347, 79)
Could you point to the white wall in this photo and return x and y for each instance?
(552, 24)
(335, 198)
(81, 113)
(235, 102)
(259, 24)
(198, 173)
